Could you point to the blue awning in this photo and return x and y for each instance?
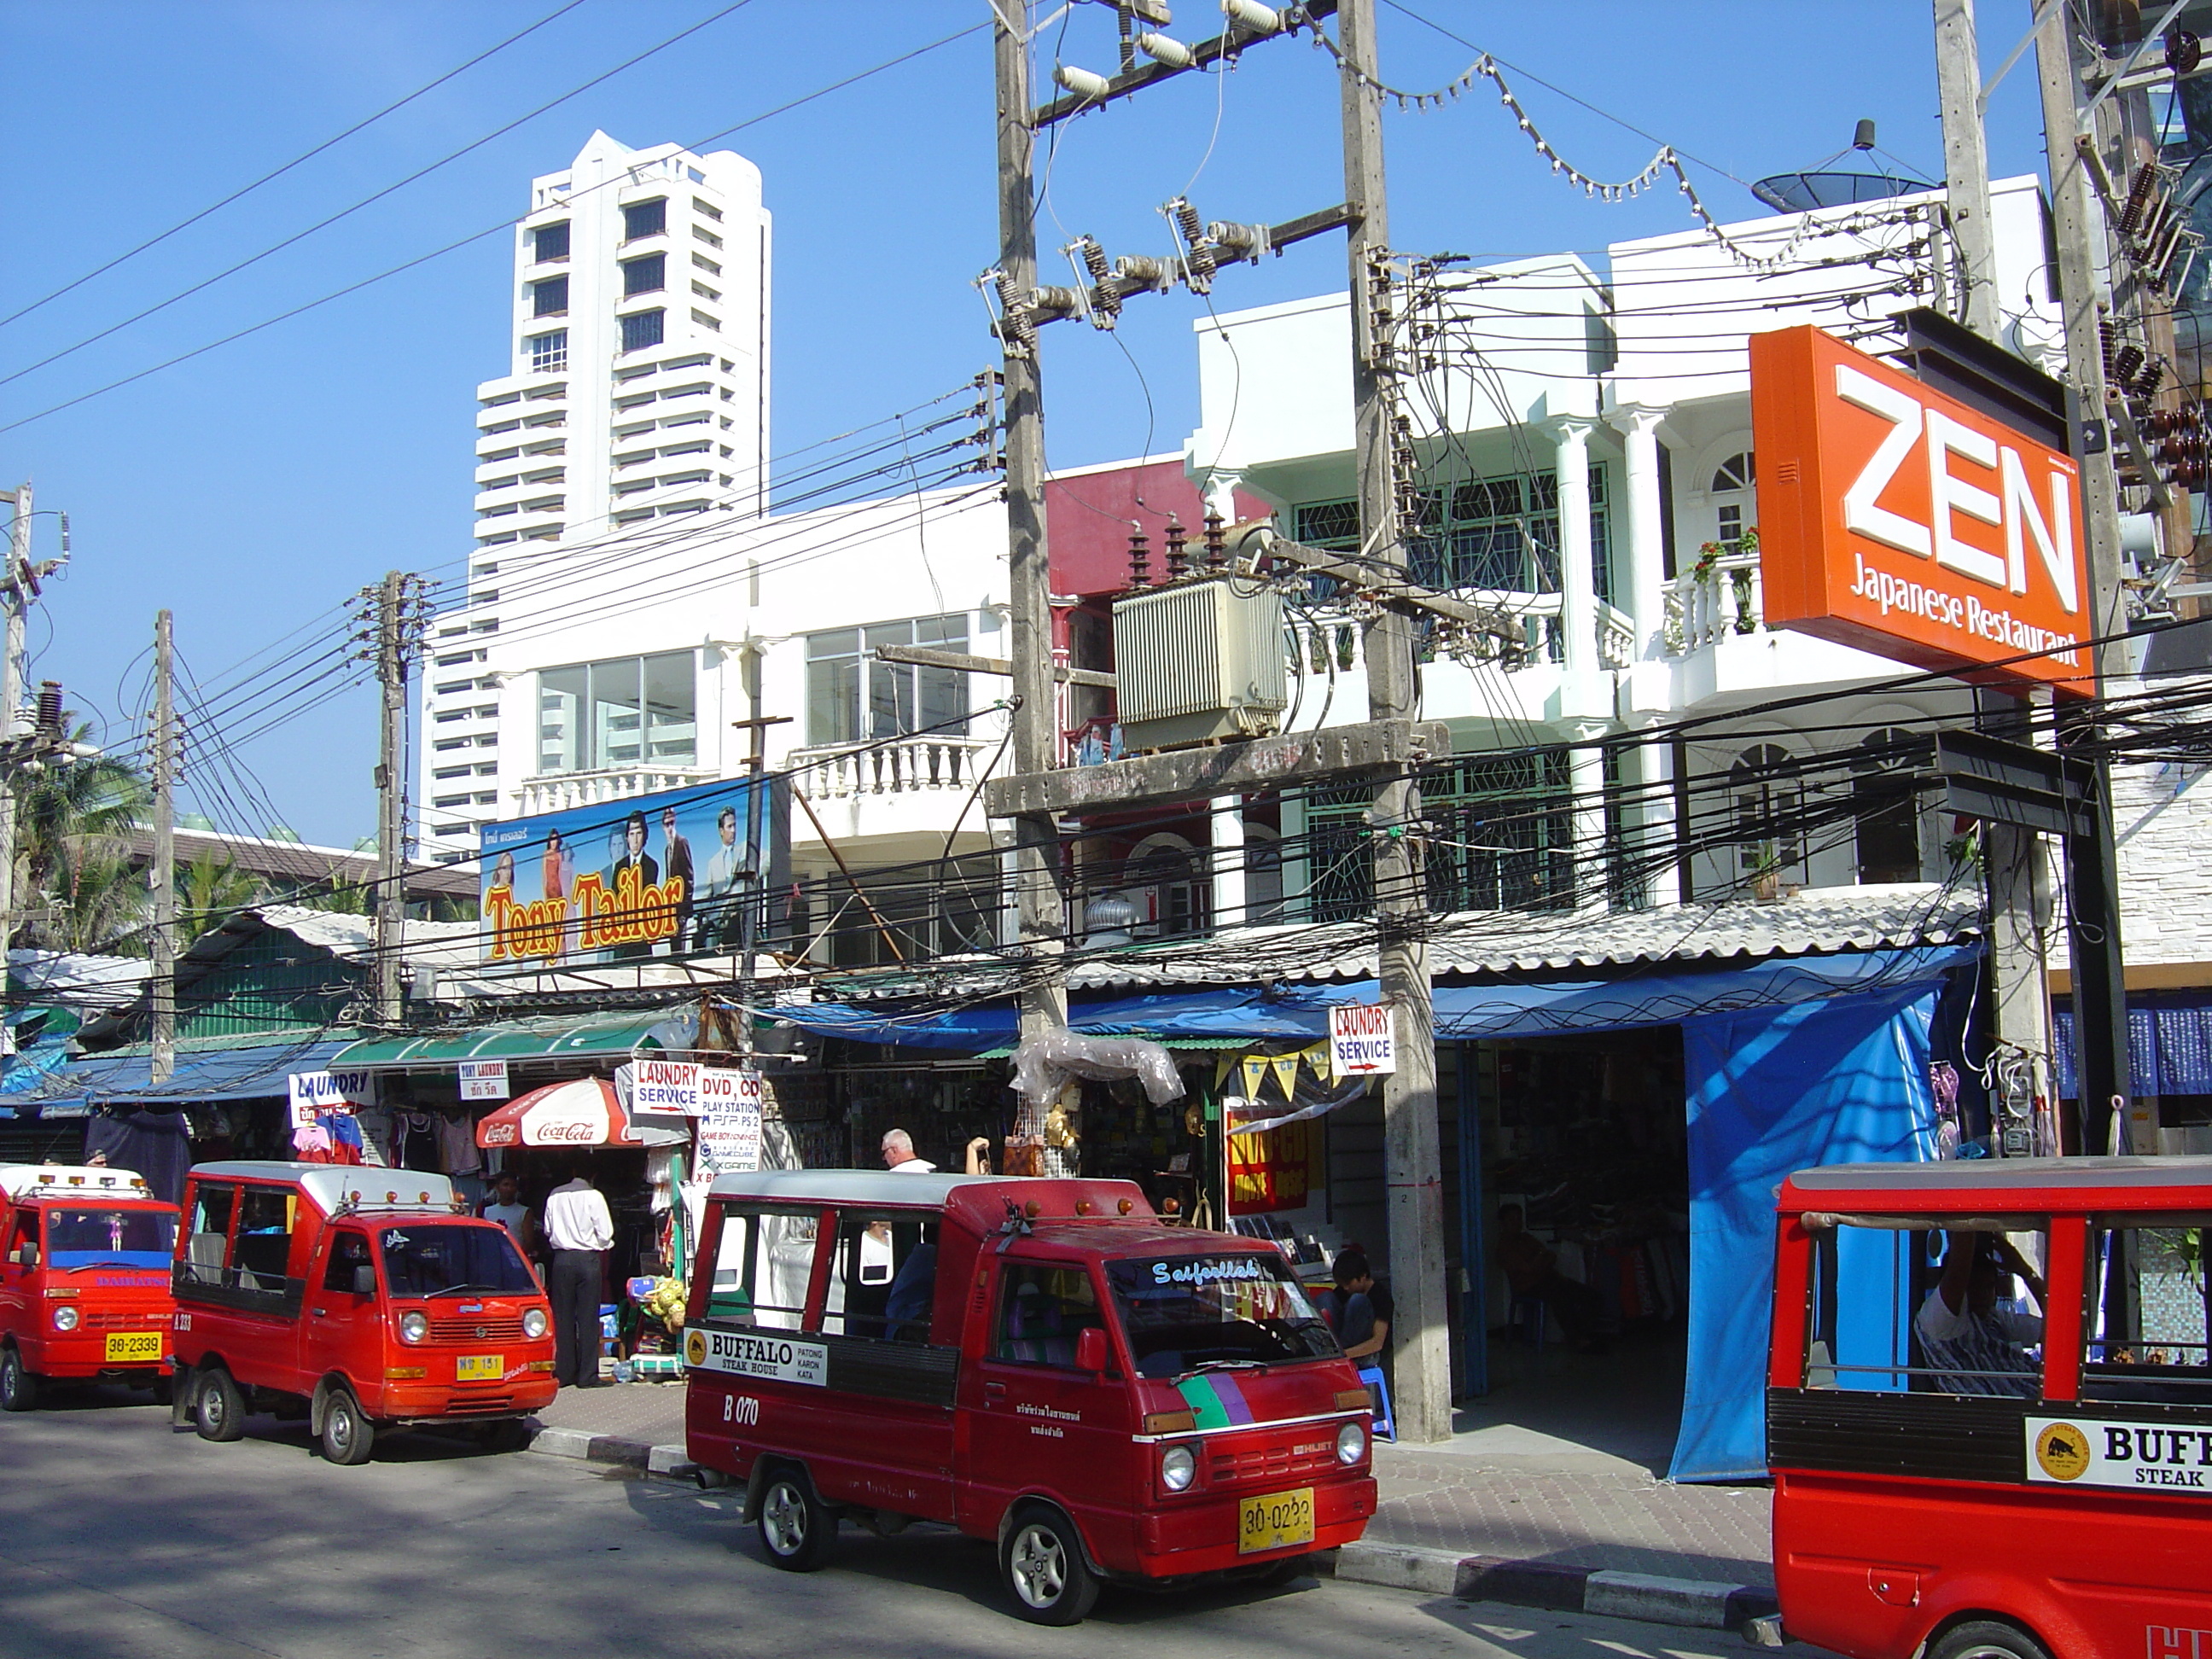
(258, 1072)
(1463, 1013)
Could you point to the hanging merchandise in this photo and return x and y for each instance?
(414, 1141)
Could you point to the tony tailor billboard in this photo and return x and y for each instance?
(621, 880)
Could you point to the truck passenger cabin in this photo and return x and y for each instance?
(1990, 1405)
(84, 1280)
(1041, 1363)
(357, 1296)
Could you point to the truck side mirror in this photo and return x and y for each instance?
(27, 1255)
(364, 1279)
(1090, 1351)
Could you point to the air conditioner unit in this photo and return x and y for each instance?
(1200, 662)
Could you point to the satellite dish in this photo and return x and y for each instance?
(1823, 185)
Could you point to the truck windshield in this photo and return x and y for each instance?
(1187, 1313)
(123, 1239)
(440, 1259)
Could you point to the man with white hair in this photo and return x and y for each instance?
(898, 1155)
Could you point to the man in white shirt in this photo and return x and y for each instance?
(579, 1231)
(898, 1155)
(1974, 1345)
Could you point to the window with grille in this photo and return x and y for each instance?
(646, 275)
(642, 328)
(1770, 810)
(1732, 482)
(549, 298)
(1500, 533)
(644, 218)
(550, 242)
(548, 352)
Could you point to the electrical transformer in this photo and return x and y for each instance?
(1199, 661)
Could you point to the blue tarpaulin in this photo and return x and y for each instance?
(257, 1072)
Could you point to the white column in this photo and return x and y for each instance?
(1655, 812)
(1578, 592)
(1586, 777)
(1639, 425)
(1228, 838)
(1218, 487)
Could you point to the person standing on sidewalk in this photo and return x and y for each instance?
(580, 1232)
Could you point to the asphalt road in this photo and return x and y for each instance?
(121, 1538)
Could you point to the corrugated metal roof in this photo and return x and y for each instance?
(561, 1036)
(1476, 945)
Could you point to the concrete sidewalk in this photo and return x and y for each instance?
(1576, 1519)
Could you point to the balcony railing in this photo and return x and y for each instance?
(557, 792)
(1341, 642)
(1721, 598)
(903, 767)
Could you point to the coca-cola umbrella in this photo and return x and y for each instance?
(584, 1112)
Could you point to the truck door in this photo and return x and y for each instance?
(260, 1325)
(337, 1330)
(1037, 1423)
(18, 1298)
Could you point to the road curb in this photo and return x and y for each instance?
(1694, 1603)
(671, 1460)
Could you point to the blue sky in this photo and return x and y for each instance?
(254, 488)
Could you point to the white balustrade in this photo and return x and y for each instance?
(904, 766)
(558, 792)
(1720, 597)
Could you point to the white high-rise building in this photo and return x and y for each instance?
(636, 389)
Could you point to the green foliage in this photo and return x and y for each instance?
(76, 889)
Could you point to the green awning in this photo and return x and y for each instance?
(558, 1036)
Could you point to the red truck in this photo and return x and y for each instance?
(84, 1280)
(361, 1297)
(1041, 1363)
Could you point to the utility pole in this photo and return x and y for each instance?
(162, 873)
(2012, 857)
(749, 920)
(1412, 1166)
(1039, 905)
(392, 640)
(15, 595)
(2101, 1013)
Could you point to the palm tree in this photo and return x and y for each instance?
(73, 821)
(210, 890)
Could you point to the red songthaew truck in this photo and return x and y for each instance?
(360, 1297)
(84, 1280)
(1041, 1363)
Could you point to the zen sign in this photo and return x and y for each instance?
(1898, 519)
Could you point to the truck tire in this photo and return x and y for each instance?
(349, 1437)
(19, 1389)
(218, 1408)
(1988, 1638)
(1042, 1562)
(797, 1529)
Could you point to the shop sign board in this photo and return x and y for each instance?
(1363, 1038)
(314, 1092)
(665, 1085)
(729, 1127)
(2140, 1456)
(762, 1354)
(1896, 518)
(484, 1080)
(662, 874)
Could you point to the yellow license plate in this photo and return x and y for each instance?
(1274, 1522)
(480, 1368)
(129, 1347)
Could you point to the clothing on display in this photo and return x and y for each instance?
(414, 1141)
(457, 1145)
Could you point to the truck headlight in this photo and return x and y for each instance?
(65, 1319)
(1178, 1468)
(533, 1322)
(413, 1326)
(1350, 1442)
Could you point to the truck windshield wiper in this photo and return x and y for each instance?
(470, 1289)
(1227, 1365)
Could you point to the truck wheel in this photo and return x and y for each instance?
(1985, 1639)
(218, 1409)
(347, 1435)
(1043, 1564)
(19, 1389)
(797, 1528)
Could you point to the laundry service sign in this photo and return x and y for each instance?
(2140, 1456)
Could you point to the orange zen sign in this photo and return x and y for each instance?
(1896, 518)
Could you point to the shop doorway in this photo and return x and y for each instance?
(1581, 1179)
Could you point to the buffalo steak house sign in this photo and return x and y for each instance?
(1901, 520)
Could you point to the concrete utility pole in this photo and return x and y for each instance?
(1411, 1160)
(2093, 875)
(15, 595)
(1040, 903)
(162, 873)
(2020, 1004)
(391, 825)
